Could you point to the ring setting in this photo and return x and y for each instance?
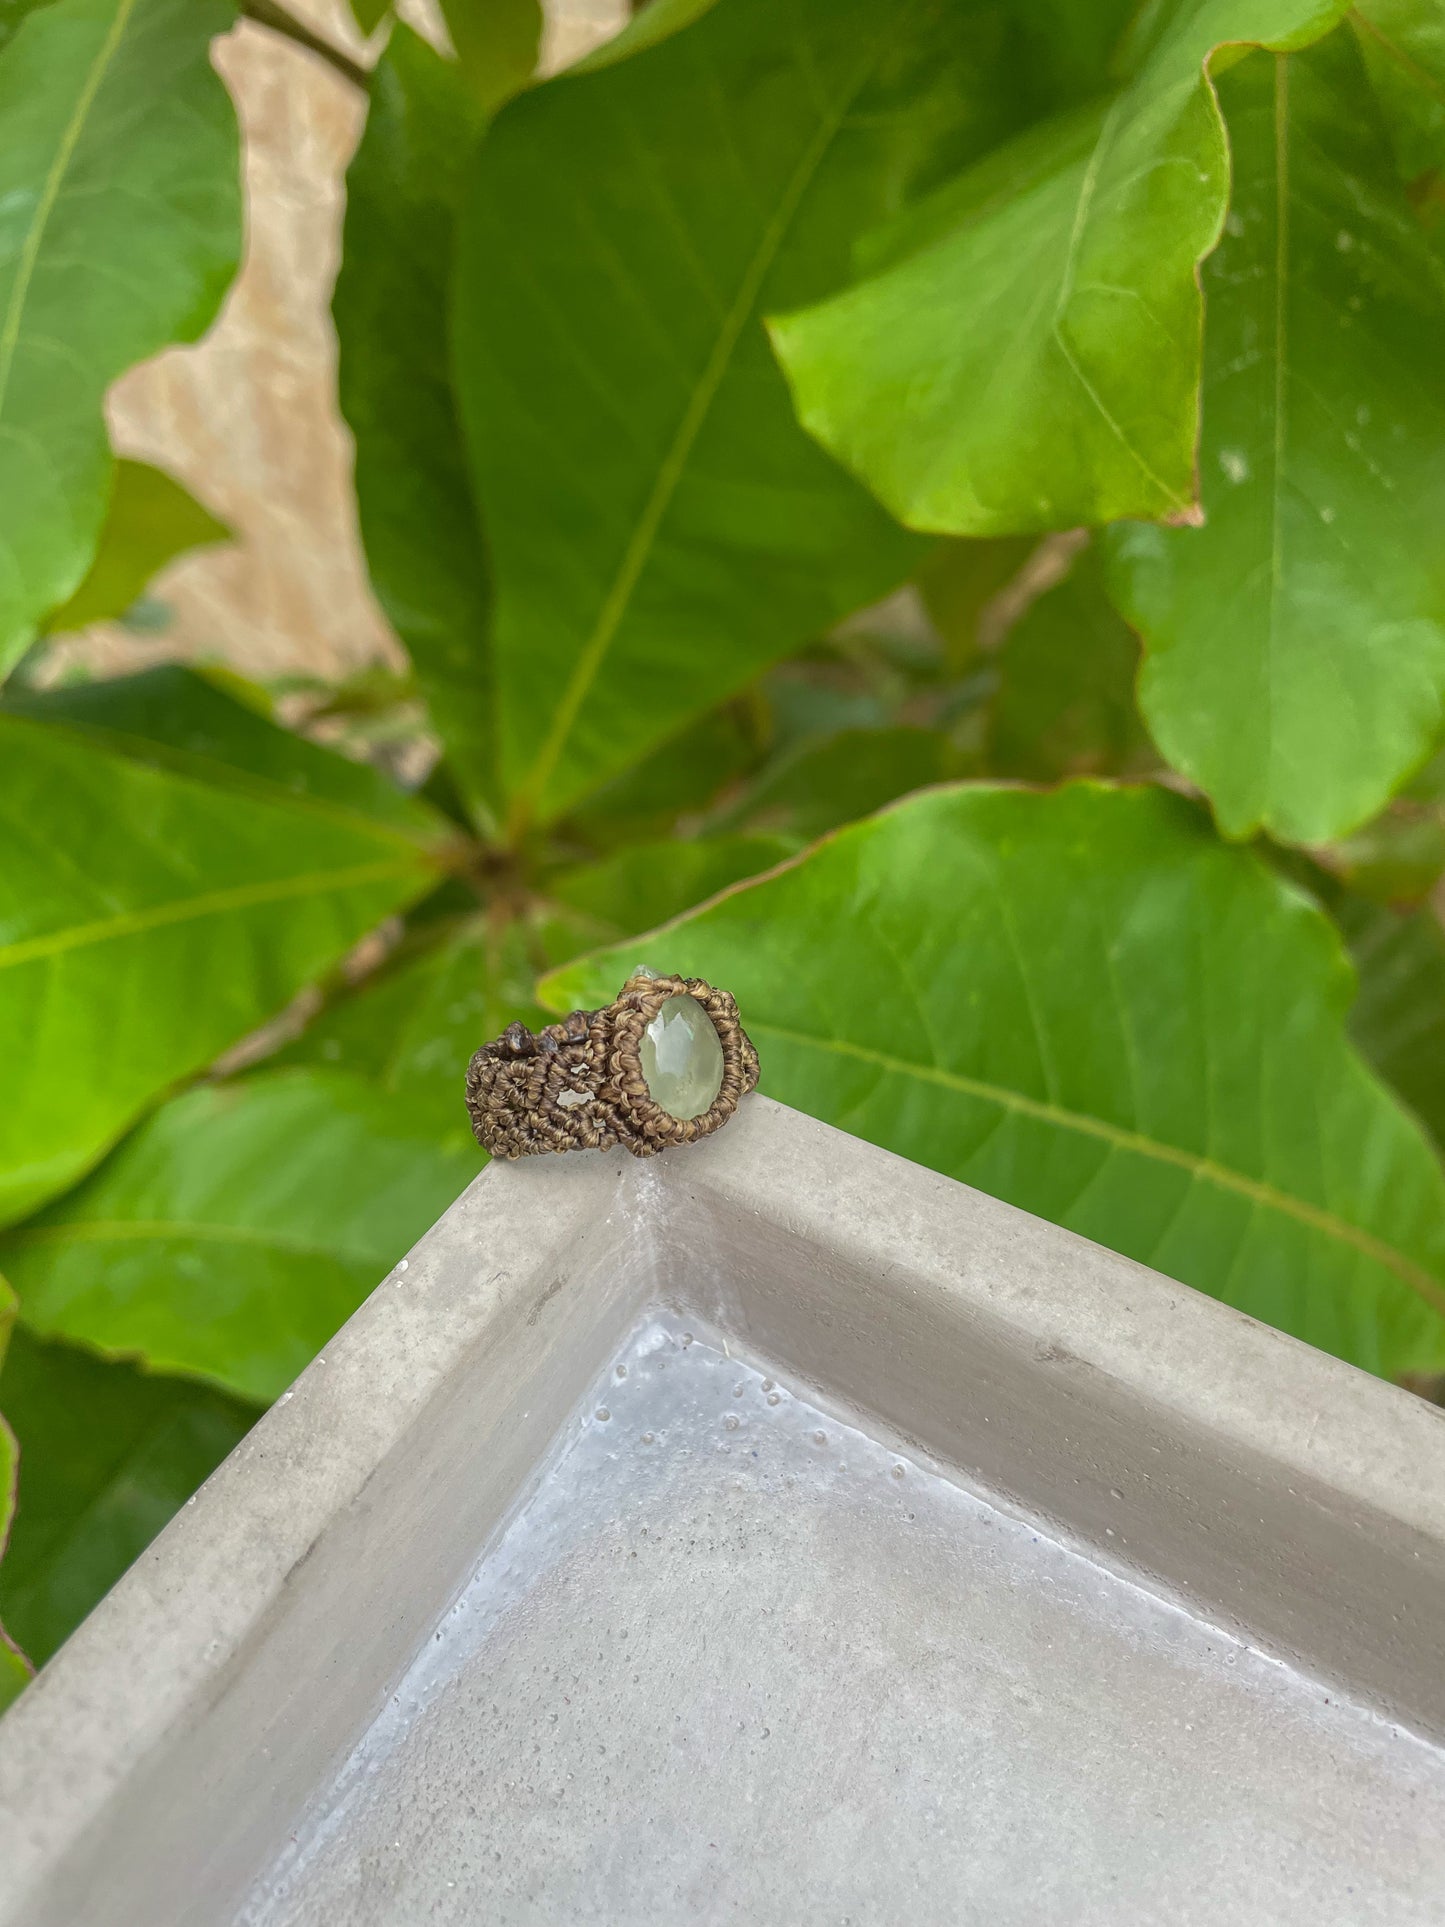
(667, 1062)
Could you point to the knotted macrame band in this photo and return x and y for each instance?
(578, 1085)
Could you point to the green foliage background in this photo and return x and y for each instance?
(1113, 334)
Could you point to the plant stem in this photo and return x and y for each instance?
(267, 13)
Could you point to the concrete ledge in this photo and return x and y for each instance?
(1272, 1492)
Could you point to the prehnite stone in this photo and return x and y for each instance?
(682, 1060)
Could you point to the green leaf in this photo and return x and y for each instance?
(151, 520)
(120, 227)
(1403, 44)
(15, 1667)
(1028, 357)
(93, 1494)
(12, 13)
(660, 527)
(411, 1028)
(1399, 856)
(1064, 704)
(159, 900)
(238, 1227)
(1295, 663)
(496, 43)
(1083, 1003)
(369, 14)
(1399, 1016)
(960, 580)
(849, 774)
(681, 776)
(643, 886)
(185, 722)
(424, 545)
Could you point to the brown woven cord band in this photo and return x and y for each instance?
(578, 1085)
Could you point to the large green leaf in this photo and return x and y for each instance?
(424, 545)
(182, 721)
(660, 528)
(1403, 43)
(834, 779)
(108, 1454)
(1296, 642)
(119, 230)
(1399, 1016)
(410, 1029)
(643, 886)
(959, 582)
(12, 12)
(680, 777)
(1028, 356)
(1064, 701)
(496, 43)
(161, 898)
(239, 1226)
(151, 520)
(14, 1665)
(1083, 1003)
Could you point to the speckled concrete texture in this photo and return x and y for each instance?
(928, 1564)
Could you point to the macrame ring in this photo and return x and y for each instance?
(578, 1085)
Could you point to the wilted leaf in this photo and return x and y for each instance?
(424, 546)
(120, 227)
(238, 1227)
(1028, 356)
(1064, 704)
(643, 886)
(161, 898)
(1085, 1004)
(151, 520)
(1295, 644)
(93, 1494)
(660, 528)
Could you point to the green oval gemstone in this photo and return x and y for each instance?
(682, 1060)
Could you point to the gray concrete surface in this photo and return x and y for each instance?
(1094, 1602)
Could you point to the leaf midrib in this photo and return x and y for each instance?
(243, 896)
(212, 773)
(50, 193)
(1205, 1170)
(669, 474)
